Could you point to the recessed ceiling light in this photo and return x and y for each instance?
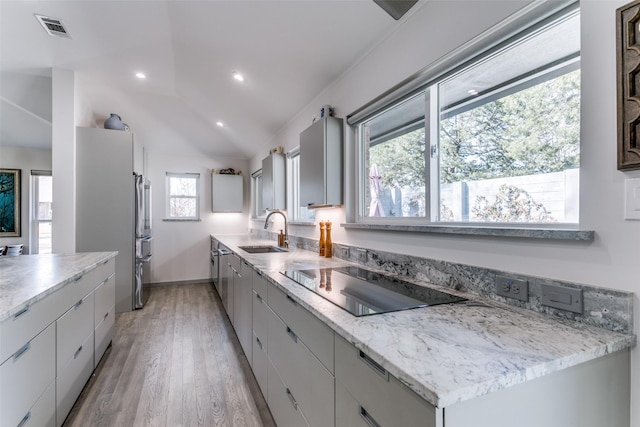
(141, 75)
(219, 123)
(472, 92)
(239, 77)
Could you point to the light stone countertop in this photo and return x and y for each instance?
(445, 353)
(26, 279)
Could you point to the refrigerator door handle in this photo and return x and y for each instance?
(147, 258)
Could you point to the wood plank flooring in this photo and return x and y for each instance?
(176, 362)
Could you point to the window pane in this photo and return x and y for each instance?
(44, 237)
(182, 207)
(181, 186)
(509, 134)
(45, 197)
(395, 168)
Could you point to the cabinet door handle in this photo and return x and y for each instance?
(25, 419)
(374, 365)
(259, 298)
(21, 312)
(78, 278)
(78, 304)
(292, 399)
(22, 351)
(104, 262)
(291, 300)
(75, 355)
(259, 342)
(292, 335)
(368, 418)
(105, 315)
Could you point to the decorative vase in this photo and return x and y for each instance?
(114, 122)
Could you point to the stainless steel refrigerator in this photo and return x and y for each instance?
(110, 207)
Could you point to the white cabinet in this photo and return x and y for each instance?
(260, 320)
(367, 392)
(104, 314)
(274, 182)
(226, 193)
(282, 402)
(321, 163)
(242, 306)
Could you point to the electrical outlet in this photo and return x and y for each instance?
(345, 253)
(362, 256)
(512, 288)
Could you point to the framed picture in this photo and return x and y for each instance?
(628, 67)
(10, 202)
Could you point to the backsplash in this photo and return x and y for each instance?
(605, 308)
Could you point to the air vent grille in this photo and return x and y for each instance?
(53, 26)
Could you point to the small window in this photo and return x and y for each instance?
(495, 141)
(42, 212)
(297, 213)
(256, 194)
(183, 196)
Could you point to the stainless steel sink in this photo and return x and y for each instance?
(262, 249)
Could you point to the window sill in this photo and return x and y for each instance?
(514, 232)
(181, 219)
(303, 223)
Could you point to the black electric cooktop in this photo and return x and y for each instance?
(363, 292)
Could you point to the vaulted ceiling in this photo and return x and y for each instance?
(288, 51)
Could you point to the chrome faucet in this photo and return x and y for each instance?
(286, 229)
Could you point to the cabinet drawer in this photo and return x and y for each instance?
(105, 297)
(259, 363)
(317, 336)
(43, 413)
(260, 285)
(260, 318)
(25, 375)
(349, 413)
(286, 412)
(72, 378)
(307, 379)
(104, 334)
(104, 270)
(72, 328)
(385, 399)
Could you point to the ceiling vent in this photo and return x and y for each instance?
(52, 26)
(396, 8)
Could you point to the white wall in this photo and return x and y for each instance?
(24, 159)
(181, 249)
(433, 30)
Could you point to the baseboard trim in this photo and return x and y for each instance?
(183, 282)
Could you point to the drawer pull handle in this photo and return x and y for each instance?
(291, 300)
(259, 342)
(259, 298)
(22, 351)
(21, 312)
(292, 335)
(104, 262)
(25, 419)
(105, 315)
(77, 352)
(374, 365)
(292, 399)
(78, 278)
(368, 418)
(78, 304)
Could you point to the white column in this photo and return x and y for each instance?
(63, 159)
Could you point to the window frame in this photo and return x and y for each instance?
(427, 82)
(169, 197)
(36, 221)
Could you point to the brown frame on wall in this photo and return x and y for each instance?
(10, 183)
(628, 85)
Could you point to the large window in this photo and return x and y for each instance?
(183, 196)
(41, 211)
(296, 211)
(496, 140)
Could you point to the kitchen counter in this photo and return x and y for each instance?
(445, 353)
(27, 279)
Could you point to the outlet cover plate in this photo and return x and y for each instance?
(510, 287)
(562, 297)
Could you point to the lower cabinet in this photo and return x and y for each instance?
(72, 378)
(282, 402)
(242, 306)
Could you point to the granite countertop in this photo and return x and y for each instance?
(445, 353)
(26, 279)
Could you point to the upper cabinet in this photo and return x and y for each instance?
(226, 193)
(273, 182)
(321, 154)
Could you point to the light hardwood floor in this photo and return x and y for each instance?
(176, 362)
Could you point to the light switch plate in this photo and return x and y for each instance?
(562, 297)
(632, 199)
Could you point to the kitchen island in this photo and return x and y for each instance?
(57, 316)
(478, 362)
